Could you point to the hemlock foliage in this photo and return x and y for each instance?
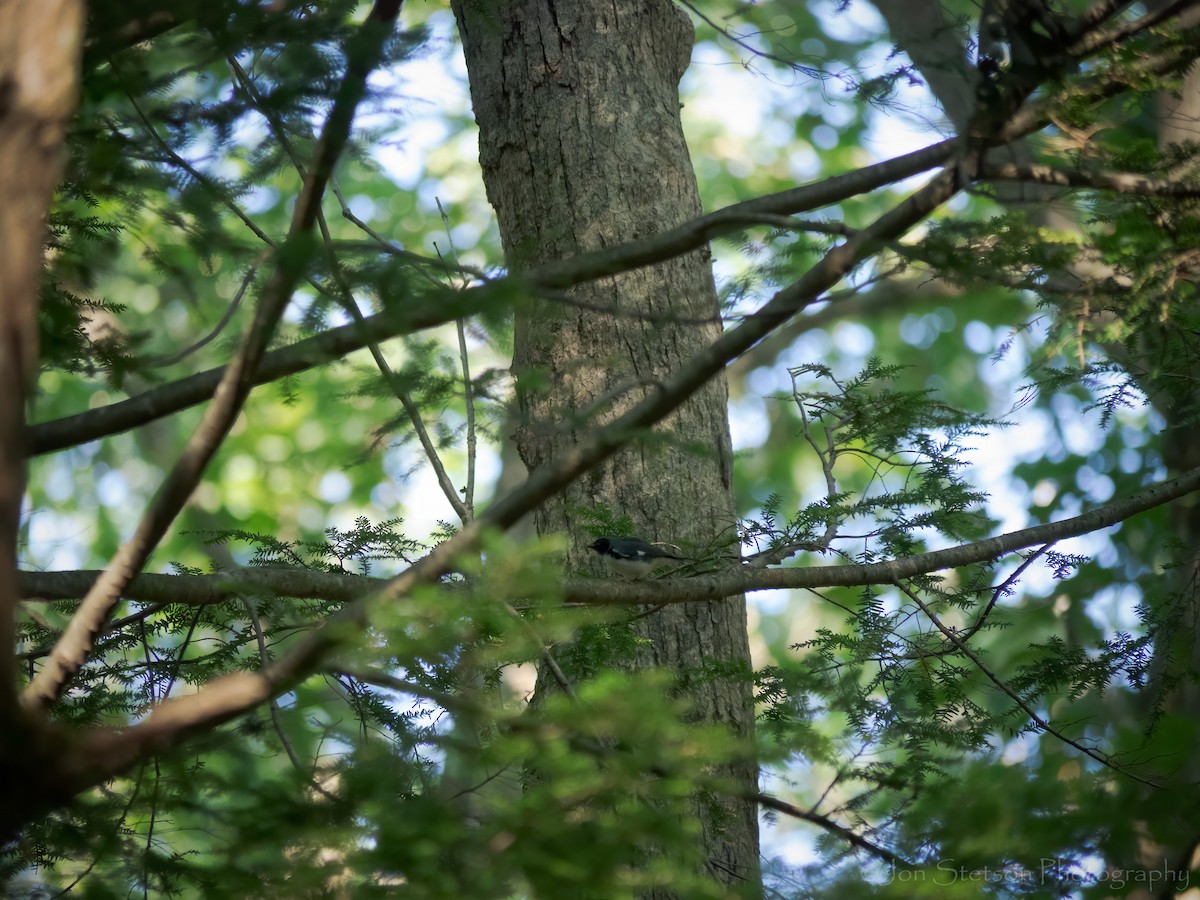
(993, 369)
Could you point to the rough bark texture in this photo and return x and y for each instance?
(581, 147)
(39, 74)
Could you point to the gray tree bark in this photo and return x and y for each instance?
(581, 147)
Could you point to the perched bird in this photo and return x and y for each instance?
(631, 555)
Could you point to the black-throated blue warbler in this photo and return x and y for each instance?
(632, 555)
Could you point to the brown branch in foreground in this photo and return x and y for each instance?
(73, 647)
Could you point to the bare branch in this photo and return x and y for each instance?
(698, 232)
(1098, 38)
(70, 431)
(283, 582)
(230, 311)
(1002, 590)
(827, 824)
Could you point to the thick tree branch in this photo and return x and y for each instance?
(73, 647)
(70, 431)
(204, 590)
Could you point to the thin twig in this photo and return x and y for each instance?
(344, 297)
(234, 304)
(468, 389)
(273, 705)
(827, 824)
(383, 245)
(1001, 589)
(546, 655)
(953, 638)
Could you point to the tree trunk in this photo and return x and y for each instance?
(40, 46)
(582, 147)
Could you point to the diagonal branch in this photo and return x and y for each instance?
(344, 297)
(1043, 724)
(72, 649)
